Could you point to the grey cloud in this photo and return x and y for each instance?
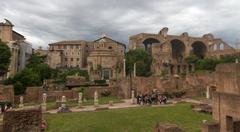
(46, 21)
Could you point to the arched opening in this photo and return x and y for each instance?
(178, 49)
(221, 46)
(199, 49)
(148, 42)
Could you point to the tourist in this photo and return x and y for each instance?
(43, 125)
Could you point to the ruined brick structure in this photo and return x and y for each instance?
(103, 57)
(226, 104)
(169, 51)
(6, 93)
(22, 120)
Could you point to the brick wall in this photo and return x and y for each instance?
(22, 121)
(6, 93)
(89, 92)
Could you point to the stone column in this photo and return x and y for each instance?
(21, 102)
(134, 70)
(133, 97)
(44, 105)
(79, 100)
(208, 92)
(124, 67)
(63, 102)
(193, 68)
(95, 98)
(187, 69)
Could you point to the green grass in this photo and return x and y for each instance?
(72, 103)
(141, 119)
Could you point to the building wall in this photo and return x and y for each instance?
(6, 31)
(105, 60)
(226, 102)
(20, 50)
(25, 54)
(103, 52)
(71, 54)
(15, 51)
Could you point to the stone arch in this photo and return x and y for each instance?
(149, 41)
(221, 46)
(178, 49)
(199, 49)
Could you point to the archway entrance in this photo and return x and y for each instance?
(148, 43)
(199, 49)
(178, 49)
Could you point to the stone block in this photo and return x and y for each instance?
(167, 127)
(210, 127)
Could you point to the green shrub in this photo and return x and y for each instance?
(100, 82)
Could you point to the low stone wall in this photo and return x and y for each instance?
(210, 127)
(22, 121)
(89, 92)
(167, 127)
(69, 94)
(33, 94)
(6, 93)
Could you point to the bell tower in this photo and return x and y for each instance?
(6, 31)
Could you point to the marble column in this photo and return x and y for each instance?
(133, 97)
(21, 102)
(44, 105)
(134, 70)
(80, 100)
(95, 98)
(63, 102)
(208, 92)
(124, 67)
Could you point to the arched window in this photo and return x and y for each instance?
(221, 46)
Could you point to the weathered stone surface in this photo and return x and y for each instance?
(167, 127)
(210, 127)
(22, 120)
(226, 104)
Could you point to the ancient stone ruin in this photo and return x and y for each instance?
(22, 120)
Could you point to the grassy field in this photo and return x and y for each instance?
(126, 120)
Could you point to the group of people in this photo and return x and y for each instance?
(153, 98)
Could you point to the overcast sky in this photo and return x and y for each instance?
(46, 21)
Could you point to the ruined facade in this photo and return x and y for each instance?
(226, 104)
(20, 49)
(103, 57)
(169, 51)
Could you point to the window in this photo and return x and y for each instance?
(66, 59)
(110, 47)
(221, 46)
(77, 59)
(71, 59)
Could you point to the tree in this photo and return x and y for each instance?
(5, 55)
(192, 59)
(143, 62)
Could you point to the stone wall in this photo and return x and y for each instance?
(69, 94)
(22, 120)
(6, 93)
(89, 92)
(226, 104)
(210, 127)
(34, 95)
